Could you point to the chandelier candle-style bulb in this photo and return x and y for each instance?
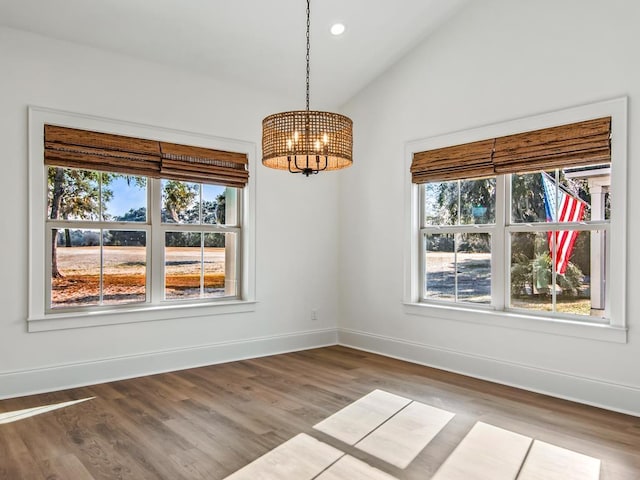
(307, 141)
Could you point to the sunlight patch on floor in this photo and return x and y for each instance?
(9, 417)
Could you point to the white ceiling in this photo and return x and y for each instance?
(258, 43)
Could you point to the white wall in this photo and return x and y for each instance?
(295, 216)
(497, 60)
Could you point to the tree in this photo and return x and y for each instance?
(178, 197)
(133, 215)
(527, 198)
(74, 194)
(470, 194)
(56, 189)
(221, 207)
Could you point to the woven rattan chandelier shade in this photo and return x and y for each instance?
(307, 141)
(288, 138)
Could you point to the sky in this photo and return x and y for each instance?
(127, 196)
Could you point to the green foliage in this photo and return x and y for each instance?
(440, 243)
(529, 275)
(75, 194)
(474, 243)
(183, 239)
(521, 274)
(469, 194)
(214, 240)
(178, 197)
(134, 215)
(125, 238)
(581, 255)
(571, 281)
(181, 204)
(527, 198)
(193, 239)
(220, 209)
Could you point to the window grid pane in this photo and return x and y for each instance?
(473, 267)
(440, 265)
(183, 265)
(539, 281)
(124, 267)
(458, 267)
(92, 267)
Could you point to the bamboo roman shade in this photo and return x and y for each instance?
(69, 147)
(582, 143)
(195, 164)
(471, 160)
(73, 148)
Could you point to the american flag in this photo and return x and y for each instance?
(571, 210)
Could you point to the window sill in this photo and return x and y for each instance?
(568, 328)
(68, 320)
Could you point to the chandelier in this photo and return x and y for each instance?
(307, 141)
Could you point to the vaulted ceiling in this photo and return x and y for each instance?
(258, 43)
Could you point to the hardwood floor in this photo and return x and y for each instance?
(206, 423)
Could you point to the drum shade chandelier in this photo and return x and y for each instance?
(307, 141)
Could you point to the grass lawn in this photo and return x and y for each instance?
(124, 274)
(574, 306)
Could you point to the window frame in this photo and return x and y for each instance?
(614, 328)
(42, 318)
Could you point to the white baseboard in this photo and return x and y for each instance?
(590, 391)
(611, 396)
(61, 377)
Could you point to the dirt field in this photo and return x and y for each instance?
(124, 274)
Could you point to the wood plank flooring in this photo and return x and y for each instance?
(209, 422)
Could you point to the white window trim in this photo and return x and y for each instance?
(616, 330)
(38, 319)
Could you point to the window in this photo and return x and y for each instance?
(100, 237)
(522, 227)
(130, 228)
(555, 247)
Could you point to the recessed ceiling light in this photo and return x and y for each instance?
(337, 29)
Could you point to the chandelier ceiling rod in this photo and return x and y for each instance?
(308, 49)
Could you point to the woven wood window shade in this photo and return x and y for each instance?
(73, 148)
(470, 160)
(69, 147)
(582, 143)
(195, 164)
